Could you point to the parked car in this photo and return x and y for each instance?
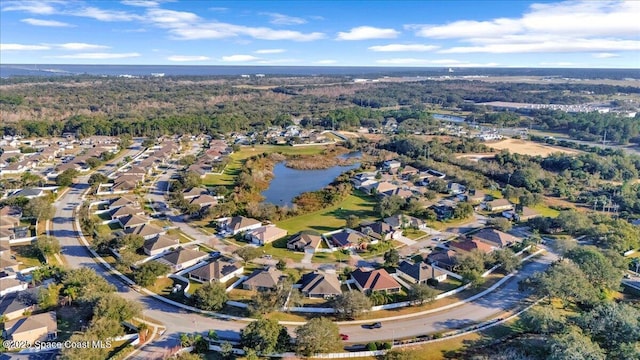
(375, 325)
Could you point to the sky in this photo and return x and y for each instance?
(582, 34)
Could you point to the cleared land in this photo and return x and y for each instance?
(525, 147)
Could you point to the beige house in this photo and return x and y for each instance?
(499, 205)
(216, 271)
(304, 242)
(159, 244)
(182, 258)
(265, 235)
(40, 327)
(261, 280)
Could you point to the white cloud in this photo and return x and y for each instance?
(81, 46)
(104, 15)
(569, 26)
(269, 51)
(224, 30)
(559, 64)
(403, 47)
(281, 19)
(98, 56)
(367, 32)
(325, 62)
(50, 23)
(240, 58)
(140, 3)
(185, 58)
(171, 18)
(33, 7)
(605, 55)
(23, 47)
(437, 62)
(550, 46)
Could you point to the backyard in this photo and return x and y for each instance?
(334, 217)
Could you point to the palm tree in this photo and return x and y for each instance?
(71, 292)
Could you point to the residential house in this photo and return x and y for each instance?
(124, 211)
(419, 273)
(380, 231)
(375, 281)
(475, 196)
(470, 245)
(320, 285)
(390, 165)
(39, 327)
(400, 221)
(182, 258)
(147, 231)
(204, 201)
(124, 201)
(29, 193)
(526, 214)
(194, 192)
(408, 171)
(202, 169)
(8, 225)
(381, 187)
(218, 270)
(265, 234)
(403, 193)
(499, 205)
(455, 188)
(495, 238)
(8, 262)
(346, 239)
(304, 242)
(131, 221)
(361, 179)
(445, 259)
(238, 224)
(443, 212)
(159, 244)
(139, 171)
(263, 279)
(16, 304)
(11, 285)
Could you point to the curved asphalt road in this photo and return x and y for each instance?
(179, 321)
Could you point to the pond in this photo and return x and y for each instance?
(288, 183)
(444, 117)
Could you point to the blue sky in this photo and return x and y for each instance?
(311, 33)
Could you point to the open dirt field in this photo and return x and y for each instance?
(525, 147)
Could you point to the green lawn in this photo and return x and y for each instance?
(325, 257)
(332, 218)
(380, 248)
(413, 233)
(544, 210)
(236, 160)
(278, 249)
(28, 255)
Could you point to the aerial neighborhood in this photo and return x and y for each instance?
(281, 225)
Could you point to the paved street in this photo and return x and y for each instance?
(178, 321)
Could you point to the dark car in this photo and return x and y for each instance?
(375, 325)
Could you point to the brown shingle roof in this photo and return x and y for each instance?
(215, 270)
(376, 280)
(495, 237)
